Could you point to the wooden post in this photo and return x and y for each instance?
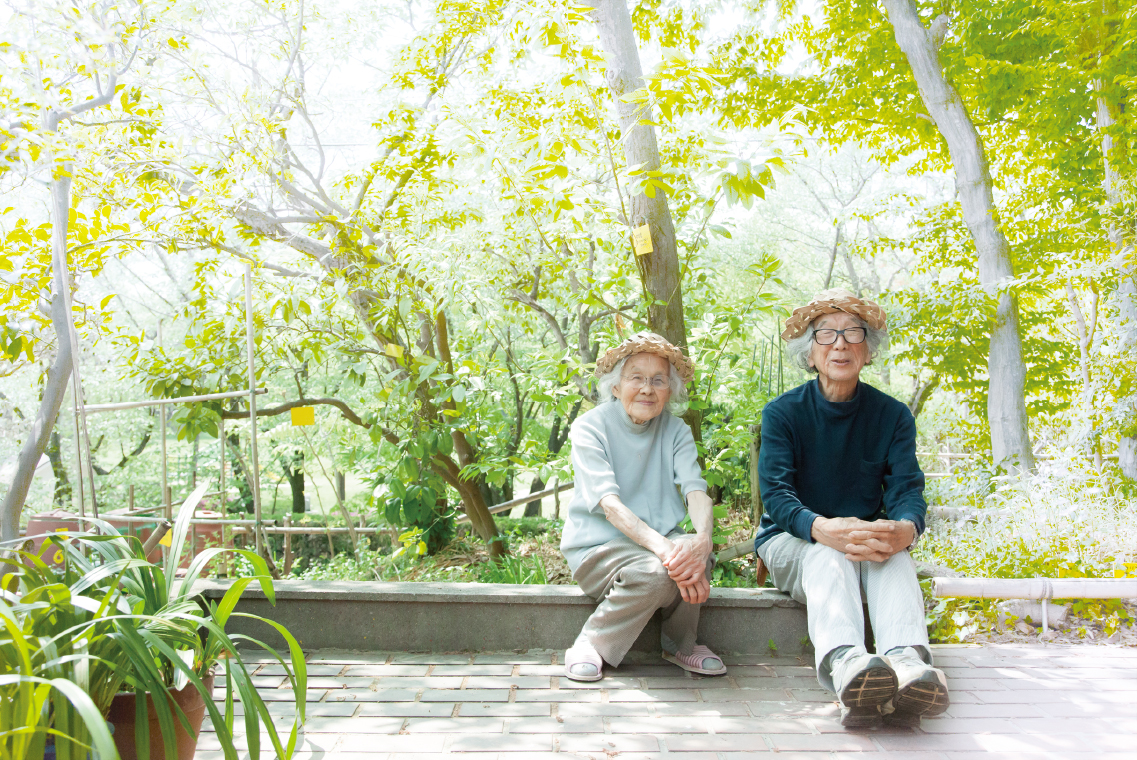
(130, 508)
(287, 545)
(756, 507)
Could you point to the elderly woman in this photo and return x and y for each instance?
(844, 504)
(631, 461)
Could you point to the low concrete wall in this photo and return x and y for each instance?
(446, 617)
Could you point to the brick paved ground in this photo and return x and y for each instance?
(1007, 702)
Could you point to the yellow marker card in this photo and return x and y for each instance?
(641, 240)
(303, 415)
(168, 539)
(395, 350)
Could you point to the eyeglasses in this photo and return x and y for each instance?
(659, 382)
(827, 337)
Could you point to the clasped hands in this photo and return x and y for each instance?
(686, 563)
(862, 540)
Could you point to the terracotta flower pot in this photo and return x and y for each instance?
(121, 716)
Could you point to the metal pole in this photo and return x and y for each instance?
(256, 484)
(168, 510)
(78, 452)
(221, 437)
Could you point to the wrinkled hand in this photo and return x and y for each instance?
(687, 561)
(697, 591)
(861, 540)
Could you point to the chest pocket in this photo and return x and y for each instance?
(872, 480)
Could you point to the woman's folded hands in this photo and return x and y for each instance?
(686, 564)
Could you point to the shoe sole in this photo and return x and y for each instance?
(924, 696)
(860, 717)
(870, 688)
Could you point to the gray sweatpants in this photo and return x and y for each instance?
(834, 590)
(630, 584)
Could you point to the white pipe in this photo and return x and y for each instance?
(93, 408)
(1035, 588)
(255, 486)
(512, 504)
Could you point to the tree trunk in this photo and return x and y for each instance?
(660, 271)
(62, 496)
(1127, 285)
(1006, 405)
(294, 472)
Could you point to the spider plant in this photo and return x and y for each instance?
(142, 629)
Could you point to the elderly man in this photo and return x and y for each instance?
(631, 459)
(844, 504)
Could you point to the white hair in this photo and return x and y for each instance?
(676, 402)
(797, 349)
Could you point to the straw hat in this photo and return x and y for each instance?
(646, 343)
(830, 302)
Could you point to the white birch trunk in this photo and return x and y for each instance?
(1127, 287)
(55, 388)
(1006, 405)
(659, 270)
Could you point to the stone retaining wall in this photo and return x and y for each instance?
(450, 617)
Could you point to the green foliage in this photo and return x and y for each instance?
(511, 569)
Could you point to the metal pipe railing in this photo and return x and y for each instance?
(119, 406)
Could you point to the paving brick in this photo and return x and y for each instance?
(752, 671)
(541, 670)
(557, 695)
(724, 743)
(607, 743)
(407, 709)
(465, 695)
(501, 743)
(1113, 742)
(647, 695)
(500, 710)
(499, 682)
(777, 709)
(367, 695)
(387, 670)
(272, 682)
(951, 725)
(504, 669)
(530, 658)
(925, 742)
(1081, 725)
(281, 695)
(729, 725)
(825, 742)
(645, 670)
(609, 681)
(761, 682)
(1013, 710)
(340, 682)
(747, 695)
(1074, 709)
(1034, 743)
(686, 682)
(585, 709)
(420, 682)
(405, 743)
(276, 669)
(326, 656)
(979, 684)
(639, 724)
(455, 726)
(428, 658)
(546, 725)
(382, 725)
(699, 708)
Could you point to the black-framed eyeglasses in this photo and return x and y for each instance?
(828, 336)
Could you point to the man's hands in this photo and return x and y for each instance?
(686, 564)
(861, 540)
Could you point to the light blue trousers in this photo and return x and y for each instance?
(834, 590)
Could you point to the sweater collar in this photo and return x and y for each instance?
(836, 408)
(627, 423)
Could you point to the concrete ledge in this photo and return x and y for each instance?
(445, 617)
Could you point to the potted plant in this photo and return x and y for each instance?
(132, 631)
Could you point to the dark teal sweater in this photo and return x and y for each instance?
(848, 459)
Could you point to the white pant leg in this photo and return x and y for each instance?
(830, 587)
(896, 605)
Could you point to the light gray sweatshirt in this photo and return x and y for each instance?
(646, 466)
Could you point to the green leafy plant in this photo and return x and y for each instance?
(109, 619)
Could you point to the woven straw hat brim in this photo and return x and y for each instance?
(830, 302)
(647, 343)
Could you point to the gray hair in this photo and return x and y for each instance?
(797, 349)
(676, 402)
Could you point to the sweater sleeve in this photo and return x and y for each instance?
(776, 470)
(688, 476)
(593, 476)
(904, 480)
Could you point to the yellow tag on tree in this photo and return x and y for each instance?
(395, 350)
(303, 415)
(641, 240)
(168, 539)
